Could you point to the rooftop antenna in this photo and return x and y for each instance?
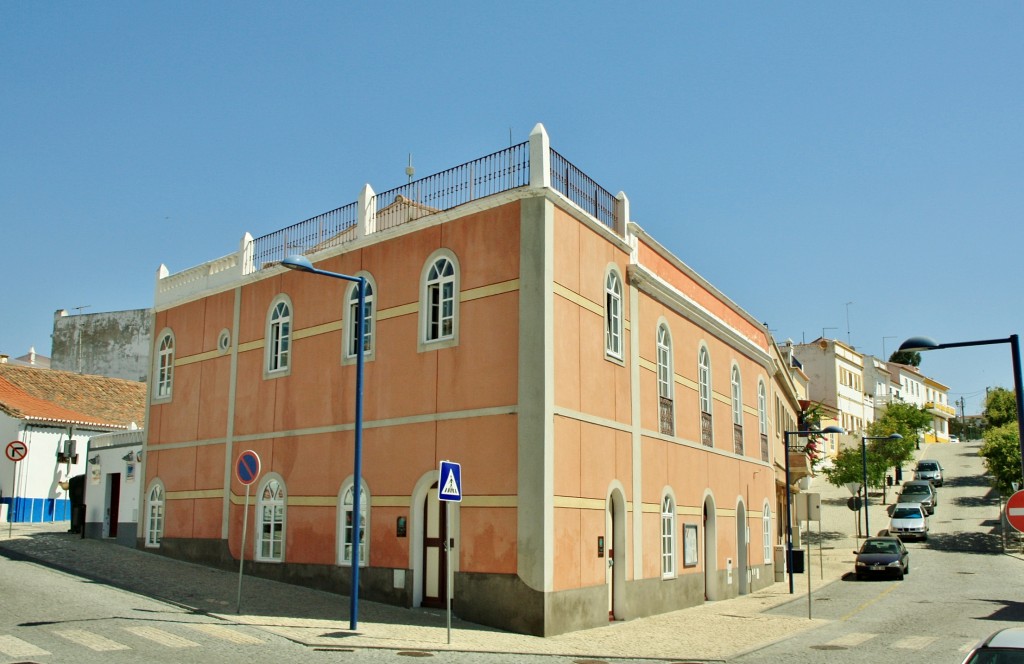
(78, 330)
(409, 170)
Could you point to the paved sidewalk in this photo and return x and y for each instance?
(714, 631)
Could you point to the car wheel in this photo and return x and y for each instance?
(906, 570)
(899, 574)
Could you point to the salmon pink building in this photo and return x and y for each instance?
(618, 420)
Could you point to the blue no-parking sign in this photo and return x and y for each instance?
(451, 482)
(247, 469)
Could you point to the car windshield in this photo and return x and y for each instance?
(906, 513)
(927, 466)
(879, 547)
(997, 656)
(916, 488)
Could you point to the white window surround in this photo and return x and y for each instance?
(762, 408)
(666, 383)
(278, 340)
(348, 352)
(154, 514)
(737, 396)
(345, 525)
(766, 532)
(613, 313)
(440, 287)
(668, 536)
(163, 372)
(271, 520)
(704, 378)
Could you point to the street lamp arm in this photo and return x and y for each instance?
(921, 344)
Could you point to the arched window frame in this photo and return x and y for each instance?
(669, 538)
(704, 396)
(613, 318)
(348, 351)
(271, 520)
(666, 380)
(736, 383)
(440, 288)
(766, 532)
(163, 371)
(155, 514)
(762, 408)
(345, 524)
(278, 343)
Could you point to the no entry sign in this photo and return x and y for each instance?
(1015, 511)
(16, 450)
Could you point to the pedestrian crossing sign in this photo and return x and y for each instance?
(450, 482)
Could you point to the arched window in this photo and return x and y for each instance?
(164, 366)
(279, 336)
(737, 411)
(613, 314)
(155, 514)
(270, 515)
(347, 522)
(704, 392)
(668, 537)
(351, 319)
(766, 533)
(439, 311)
(762, 418)
(666, 409)
(762, 408)
(737, 397)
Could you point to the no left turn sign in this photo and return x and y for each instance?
(16, 450)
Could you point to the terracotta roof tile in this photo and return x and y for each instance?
(65, 396)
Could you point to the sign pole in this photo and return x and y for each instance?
(449, 490)
(448, 565)
(14, 497)
(241, 553)
(247, 470)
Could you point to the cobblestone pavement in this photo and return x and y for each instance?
(713, 631)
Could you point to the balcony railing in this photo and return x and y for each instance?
(497, 172)
(529, 164)
(737, 439)
(666, 416)
(320, 232)
(705, 430)
(581, 190)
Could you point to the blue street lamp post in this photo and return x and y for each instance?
(920, 344)
(864, 464)
(789, 508)
(302, 264)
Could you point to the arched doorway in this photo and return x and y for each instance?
(710, 550)
(742, 540)
(615, 536)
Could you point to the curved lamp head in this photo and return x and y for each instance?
(895, 436)
(298, 262)
(918, 344)
(833, 429)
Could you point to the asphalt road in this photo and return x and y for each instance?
(961, 587)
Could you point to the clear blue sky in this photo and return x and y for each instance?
(800, 156)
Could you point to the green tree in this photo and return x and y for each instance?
(1000, 407)
(848, 466)
(905, 419)
(910, 357)
(1001, 452)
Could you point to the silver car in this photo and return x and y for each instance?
(929, 469)
(909, 521)
(1005, 646)
(919, 491)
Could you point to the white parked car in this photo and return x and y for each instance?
(909, 521)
